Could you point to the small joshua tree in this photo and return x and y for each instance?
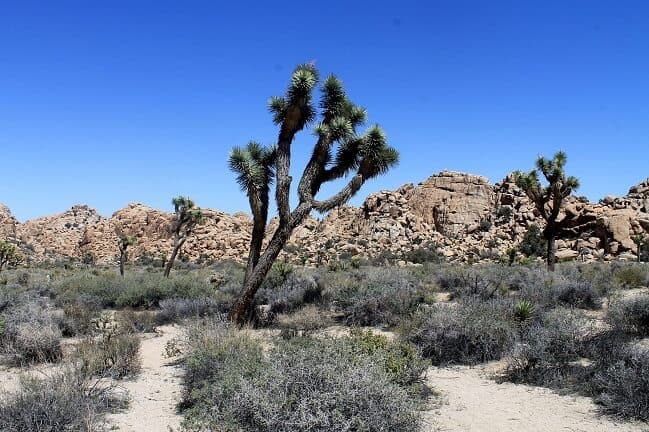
(338, 151)
(123, 243)
(548, 199)
(640, 241)
(187, 217)
(7, 253)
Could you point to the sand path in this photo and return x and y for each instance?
(471, 401)
(155, 391)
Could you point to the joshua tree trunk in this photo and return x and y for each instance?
(122, 259)
(243, 307)
(549, 234)
(550, 253)
(178, 243)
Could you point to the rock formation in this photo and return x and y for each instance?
(462, 216)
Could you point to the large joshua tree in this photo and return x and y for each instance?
(339, 151)
(548, 199)
(187, 216)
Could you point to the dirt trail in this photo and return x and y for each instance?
(155, 391)
(472, 402)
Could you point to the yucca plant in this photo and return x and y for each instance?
(524, 311)
(548, 199)
(339, 151)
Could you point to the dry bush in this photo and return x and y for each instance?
(176, 309)
(306, 319)
(65, 401)
(374, 296)
(109, 355)
(301, 384)
(548, 349)
(466, 333)
(623, 384)
(630, 314)
(30, 335)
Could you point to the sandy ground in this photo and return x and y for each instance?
(472, 402)
(155, 391)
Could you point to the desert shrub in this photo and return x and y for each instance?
(306, 319)
(291, 388)
(62, 402)
(548, 347)
(468, 333)
(109, 355)
(175, 309)
(400, 359)
(623, 385)
(30, 335)
(575, 293)
(375, 296)
(533, 244)
(425, 253)
(296, 289)
(136, 289)
(78, 315)
(131, 322)
(632, 276)
(630, 314)
(485, 282)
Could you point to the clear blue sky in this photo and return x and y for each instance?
(111, 102)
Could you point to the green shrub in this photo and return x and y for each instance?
(301, 384)
(136, 289)
(62, 402)
(632, 276)
(533, 244)
(469, 333)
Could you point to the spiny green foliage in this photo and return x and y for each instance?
(559, 186)
(186, 211)
(254, 166)
(7, 253)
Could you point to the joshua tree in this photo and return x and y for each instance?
(338, 151)
(7, 253)
(187, 217)
(548, 199)
(639, 240)
(123, 243)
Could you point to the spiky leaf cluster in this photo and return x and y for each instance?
(7, 253)
(254, 167)
(187, 215)
(548, 199)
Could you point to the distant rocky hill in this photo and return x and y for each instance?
(463, 216)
